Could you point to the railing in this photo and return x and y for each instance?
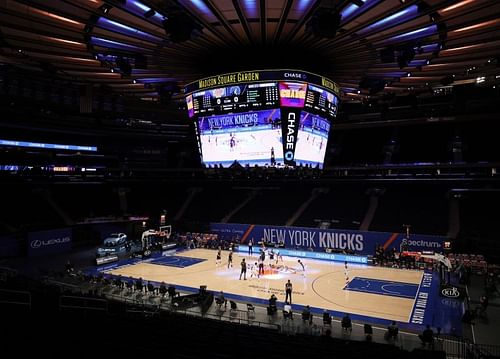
(462, 348)
(141, 304)
(146, 305)
(15, 298)
(84, 304)
(233, 316)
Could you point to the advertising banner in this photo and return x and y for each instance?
(350, 241)
(333, 257)
(9, 246)
(49, 242)
(290, 119)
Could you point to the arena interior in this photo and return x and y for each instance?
(279, 178)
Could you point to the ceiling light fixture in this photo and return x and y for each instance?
(105, 8)
(149, 13)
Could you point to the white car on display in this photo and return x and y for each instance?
(114, 243)
(115, 239)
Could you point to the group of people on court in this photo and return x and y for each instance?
(257, 269)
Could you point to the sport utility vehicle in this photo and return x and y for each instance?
(115, 239)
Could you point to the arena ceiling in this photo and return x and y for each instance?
(144, 47)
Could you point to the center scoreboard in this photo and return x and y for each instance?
(270, 117)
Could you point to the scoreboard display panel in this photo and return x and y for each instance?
(252, 138)
(236, 98)
(311, 140)
(321, 101)
(292, 94)
(269, 117)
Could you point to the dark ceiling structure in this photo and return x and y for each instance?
(146, 47)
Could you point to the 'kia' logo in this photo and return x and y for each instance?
(450, 292)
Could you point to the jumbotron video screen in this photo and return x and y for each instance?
(264, 118)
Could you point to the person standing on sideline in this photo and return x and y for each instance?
(243, 269)
(230, 260)
(250, 247)
(288, 292)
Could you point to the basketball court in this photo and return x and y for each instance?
(368, 291)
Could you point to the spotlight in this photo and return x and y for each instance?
(324, 23)
(105, 8)
(387, 55)
(405, 56)
(374, 85)
(149, 13)
(124, 65)
(180, 27)
(447, 80)
(140, 61)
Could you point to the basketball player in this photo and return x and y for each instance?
(218, 259)
(261, 266)
(279, 257)
(243, 269)
(254, 271)
(303, 268)
(232, 142)
(250, 247)
(230, 260)
(262, 255)
(346, 272)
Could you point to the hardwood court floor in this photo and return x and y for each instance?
(320, 287)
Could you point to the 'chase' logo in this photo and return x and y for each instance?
(451, 292)
(294, 75)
